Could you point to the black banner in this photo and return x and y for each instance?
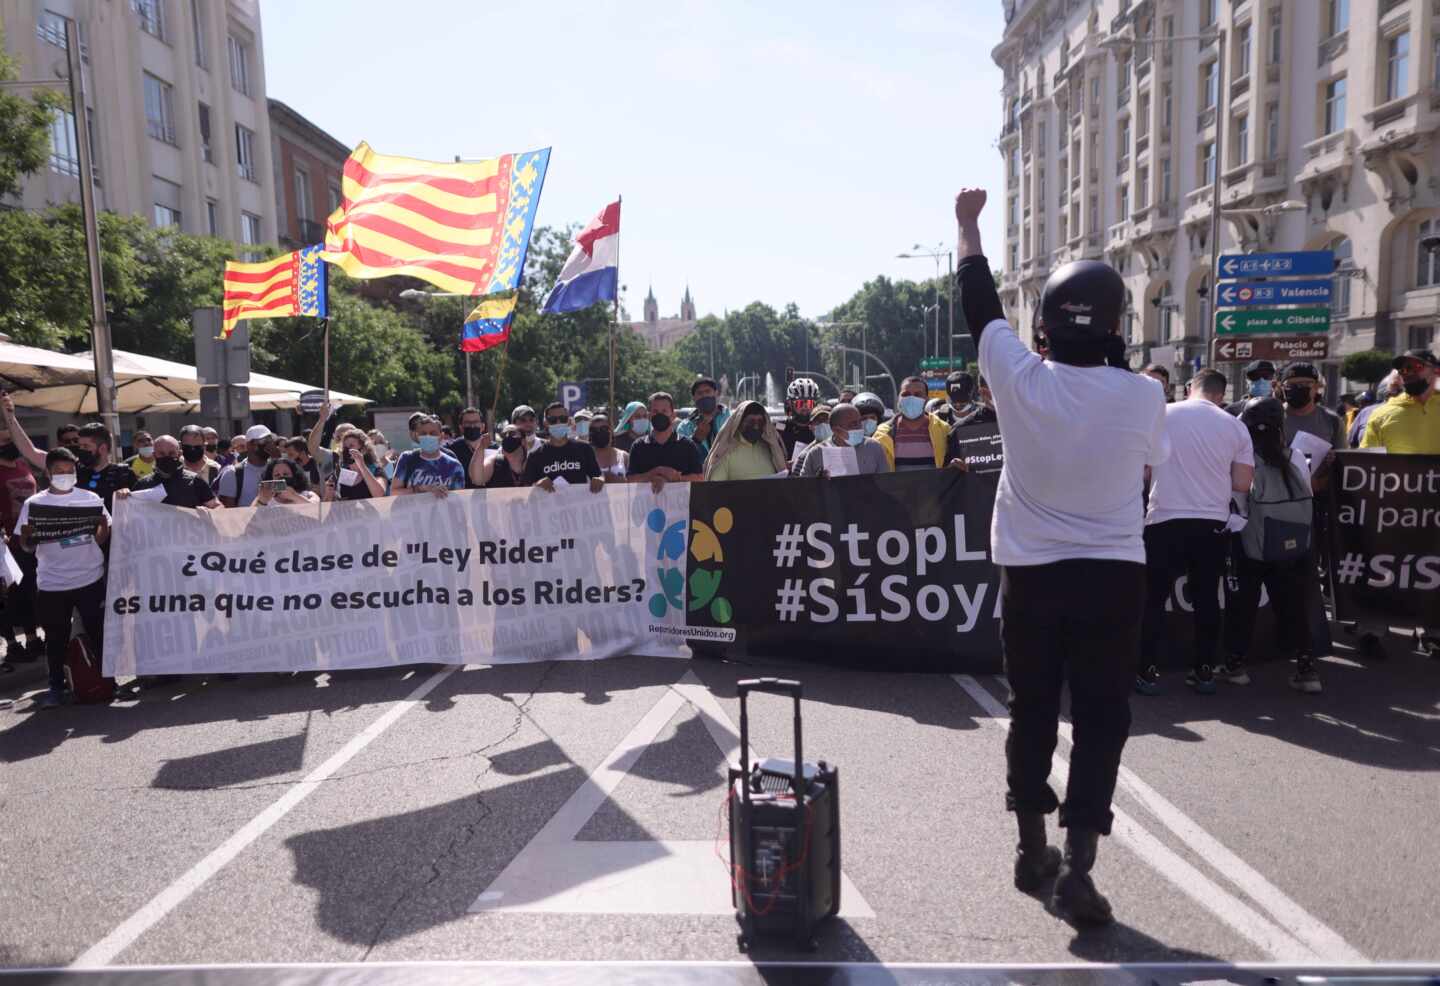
(1385, 539)
(54, 523)
(980, 448)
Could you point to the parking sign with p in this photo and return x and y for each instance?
(571, 394)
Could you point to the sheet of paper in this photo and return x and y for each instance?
(840, 461)
(349, 477)
(154, 493)
(560, 482)
(1312, 447)
(782, 474)
(10, 569)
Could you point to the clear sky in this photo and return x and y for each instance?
(779, 151)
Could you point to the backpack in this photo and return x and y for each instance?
(1280, 526)
(82, 668)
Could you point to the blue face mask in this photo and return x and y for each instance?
(854, 438)
(1260, 388)
(641, 426)
(560, 431)
(911, 406)
(582, 429)
(870, 425)
(822, 432)
(429, 443)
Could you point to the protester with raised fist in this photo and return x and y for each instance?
(1078, 430)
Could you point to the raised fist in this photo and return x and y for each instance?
(968, 204)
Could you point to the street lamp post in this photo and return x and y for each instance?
(917, 252)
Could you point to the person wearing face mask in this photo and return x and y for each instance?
(1300, 389)
(427, 468)
(297, 485)
(70, 573)
(97, 473)
(1079, 430)
(634, 425)
(1407, 424)
(1390, 387)
(183, 486)
(819, 434)
(524, 418)
(66, 436)
(562, 457)
(239, 483)
(802, 397)
(913, 439)
(359, 477)
(580, 425)
(662, 456)
(213, 451)
(142, 463)
(474, 438)
(847, 431)
(872, 412)
(504, 469)
(748, 446)
(960, 392)
(192, 453)
(710, 415)
(384, 454)
(614, 462)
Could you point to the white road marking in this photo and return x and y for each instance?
(1293, 935)
(556, 874)
(103, 952)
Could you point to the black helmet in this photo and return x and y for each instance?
(1263, 414)
(868, 403)
(1082, 302)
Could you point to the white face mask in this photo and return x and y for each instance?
(64, 482)
(381, 450)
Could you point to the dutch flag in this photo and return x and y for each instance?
(592, 271)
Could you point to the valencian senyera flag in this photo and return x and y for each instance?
(488, 325)
(463, 227)
(291, 284)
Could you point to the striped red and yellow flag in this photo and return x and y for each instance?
(291, 284)
(464, 227)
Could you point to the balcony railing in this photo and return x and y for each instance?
(1205, 119)
(1333, 47)
(1142, 144)
(1122, 165)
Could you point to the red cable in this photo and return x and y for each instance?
(738, 873)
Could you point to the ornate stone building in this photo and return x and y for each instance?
(662, 333)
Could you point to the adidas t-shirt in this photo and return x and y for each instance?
(575, 461)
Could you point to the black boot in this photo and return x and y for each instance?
(1035, 862)
(1075, 897)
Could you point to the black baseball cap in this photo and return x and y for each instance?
(1259, 368)
(1300, 370)
(1420, 355)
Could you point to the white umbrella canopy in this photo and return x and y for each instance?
(25, 368)
(258, 401)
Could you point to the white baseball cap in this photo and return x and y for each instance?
(258, 433)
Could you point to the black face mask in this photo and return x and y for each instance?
(167, 466)
(510, 443)
(74, 449)
(705, 404)
(86, 457)
(752, 435)
(600, 437)
(193, 453)
(1297, 396)
(660, 422)
(212, 448)
(1414, 388)
(473, 434)
(9, 451)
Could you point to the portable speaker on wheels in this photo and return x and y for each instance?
(784, 835)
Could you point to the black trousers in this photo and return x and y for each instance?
(1286, 584)
(19, 613)
(1075, 621)
(53, 611)
(1195, 548)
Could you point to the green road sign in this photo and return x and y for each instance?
(942, 363)
(1282, 321)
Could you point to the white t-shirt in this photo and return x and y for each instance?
(72, 563)
(248, 480)
(1194, 483)
(1077, 440)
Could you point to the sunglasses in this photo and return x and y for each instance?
(556, 421)
(804, 405)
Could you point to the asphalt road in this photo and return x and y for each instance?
(429, 814)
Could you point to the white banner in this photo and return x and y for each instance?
(477, 577)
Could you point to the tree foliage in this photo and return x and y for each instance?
(1369, 365)
(24, 126)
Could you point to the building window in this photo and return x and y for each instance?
(1142, 123)
(1207, 13)
(1165, 105)
(1124, 148)
(245, 152)
(1242, 51)
(1165, 180)
(64, 152)
(1277, 37)
(1344, 262)
(207, 149)
(1095, 91)
(1014, 257)
(50, 27)
(1142, 188)
(239, 65)
(1335, 106)
(1208, 86)
(1094, 223)
(197, 18)
(212, 217)
(159, 109)
(1427, 264)
(250, 233)
(1167, 319)
(1420, 337)
(1272, 131)
(1339, 17)
(152, 16)
(1124, 203)
(335, 199)
(302, 194)
(1435, 64)
(1207, 163)
(1040, 136)
(1242, 139)
(166, 216)
(1397, 67)
(1040, 188)
(1122, 86)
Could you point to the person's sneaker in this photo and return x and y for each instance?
(1306, 678)
(1202, 680)
(1147, 682)
(1234, 671)
(53, 699)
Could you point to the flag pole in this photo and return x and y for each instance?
(615, 327)
(499, 376)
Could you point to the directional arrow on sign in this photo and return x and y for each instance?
(1225, 348)
(1230, 266)
(1227, 322)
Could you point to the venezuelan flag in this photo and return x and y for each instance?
(488, 325)
(463, 227)
(291, 284)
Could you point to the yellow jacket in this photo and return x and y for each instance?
(1405, 426)
(939, 437)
